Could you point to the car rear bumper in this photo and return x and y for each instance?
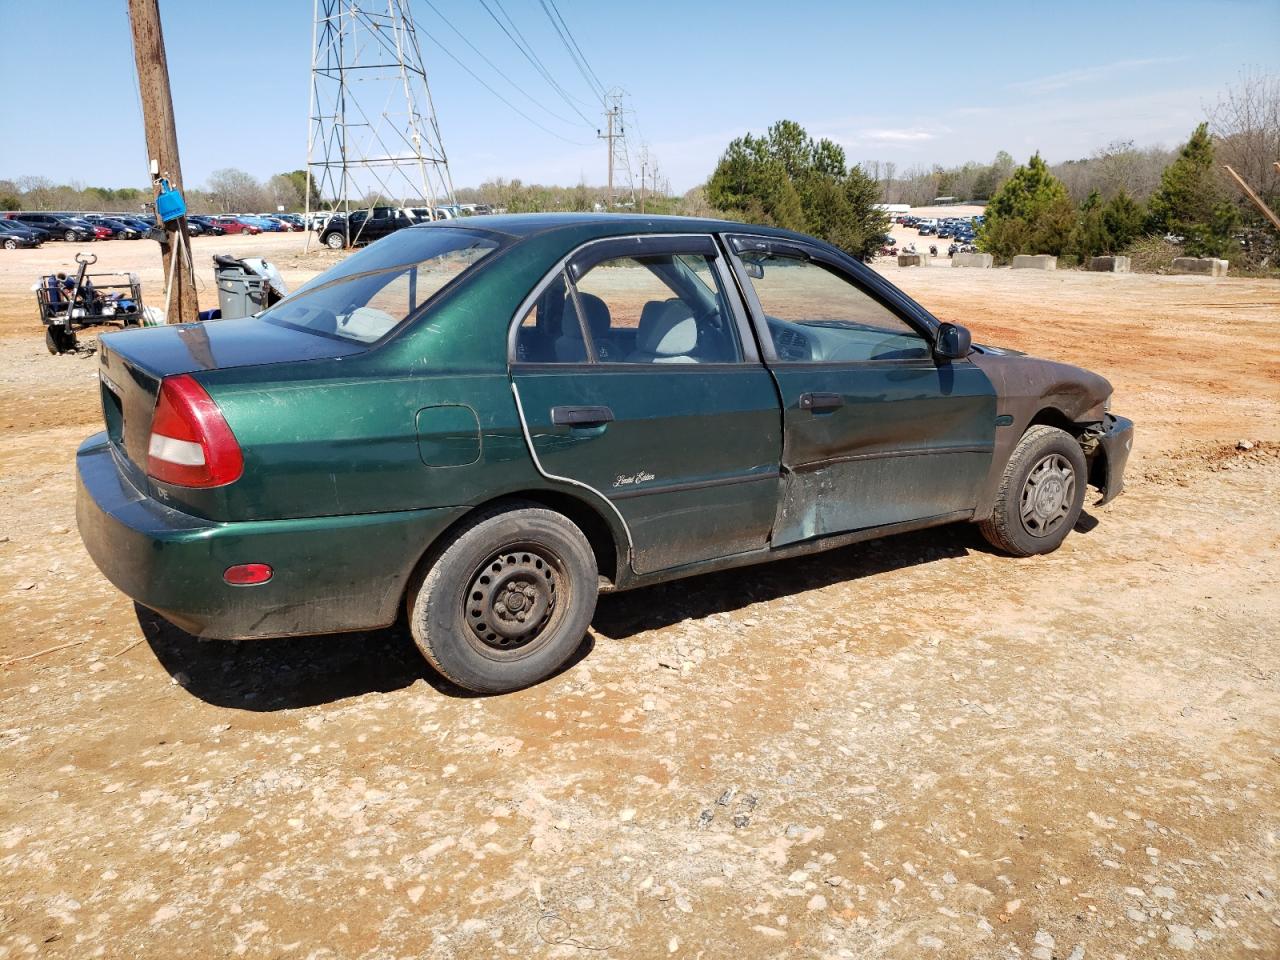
(330, 573)
(1114, 443)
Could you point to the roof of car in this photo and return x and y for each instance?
(601, 224)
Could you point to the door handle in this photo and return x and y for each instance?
(581, 416)
(820, 401)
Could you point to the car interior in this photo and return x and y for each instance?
(692, 326)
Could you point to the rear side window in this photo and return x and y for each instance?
(550, 331)
(655, 309)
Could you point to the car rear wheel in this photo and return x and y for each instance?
(334, 241)
(507, 601)
(1041, 494)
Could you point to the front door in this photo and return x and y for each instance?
(877, 431)
(637, 377)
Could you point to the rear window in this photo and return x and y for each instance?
(372, 292)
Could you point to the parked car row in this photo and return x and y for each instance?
(338, 230)
(30, 229)
(961, 229)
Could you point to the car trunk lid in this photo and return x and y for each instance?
(133, 363)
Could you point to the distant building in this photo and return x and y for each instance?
(894, 209)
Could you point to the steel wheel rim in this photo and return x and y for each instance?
(1048, 495)
(515, 600)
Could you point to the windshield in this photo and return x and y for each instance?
(374, 291)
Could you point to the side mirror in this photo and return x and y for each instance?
(754, 268)
(953, 342)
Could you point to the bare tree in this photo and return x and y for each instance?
(1246, 124)
(235, 191)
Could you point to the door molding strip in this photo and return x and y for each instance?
(696, 485)
(889, 455)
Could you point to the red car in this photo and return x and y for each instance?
(236, 225)
(102, 233)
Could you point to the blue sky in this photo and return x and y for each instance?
(911, 83)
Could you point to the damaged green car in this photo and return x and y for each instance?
(482, 425)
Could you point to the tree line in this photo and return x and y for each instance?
(226, 191)
(1122, 197)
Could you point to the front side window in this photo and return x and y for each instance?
(657, 309)
(366, 304)
(816, 315)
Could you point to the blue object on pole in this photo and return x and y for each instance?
(169, 203)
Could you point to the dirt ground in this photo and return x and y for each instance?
(910, 748)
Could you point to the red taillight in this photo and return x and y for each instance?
(191, 444)
(247, 574)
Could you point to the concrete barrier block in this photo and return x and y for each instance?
(1204, 266)
(1039, 261)
(1110, 264)
(981, 260)
(913, 259)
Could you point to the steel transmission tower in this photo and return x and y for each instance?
(373, 135)
(615, 135)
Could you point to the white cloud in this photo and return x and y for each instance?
(914, 135)
(1071, 78)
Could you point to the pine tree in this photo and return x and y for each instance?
(1123, 217)
(1090, 236)
(1030, 213)
(788, 179)
(1191, 203)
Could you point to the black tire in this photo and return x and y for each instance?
(11, 244)
(335, 241)
(69, 236)
(1041, 494)
(463, 610)
(58, 340)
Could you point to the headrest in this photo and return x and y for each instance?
(667, 330)
(597, 313)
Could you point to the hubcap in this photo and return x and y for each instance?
(1048, 495)
(512, 597)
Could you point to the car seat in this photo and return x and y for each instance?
(668, 333)
(569, 346)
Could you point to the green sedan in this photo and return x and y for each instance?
(482, 424)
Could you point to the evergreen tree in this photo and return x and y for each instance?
(1123, 217)
(1191, 203)
(788, 179)
(1090, 236)
(1030, 213)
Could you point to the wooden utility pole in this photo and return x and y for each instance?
(1257, 200)
(162, 150)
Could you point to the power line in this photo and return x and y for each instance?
(527, 51)
(495, 68)
(474, 76)
(575, 51)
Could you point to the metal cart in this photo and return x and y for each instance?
(68, 304)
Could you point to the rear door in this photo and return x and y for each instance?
(877, 431)
(637, 378)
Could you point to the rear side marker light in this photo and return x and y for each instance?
(191, 444)
(247, 574)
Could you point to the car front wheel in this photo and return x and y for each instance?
(11, 244)
(1041, 494)
(69, 236)
(507, 600)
